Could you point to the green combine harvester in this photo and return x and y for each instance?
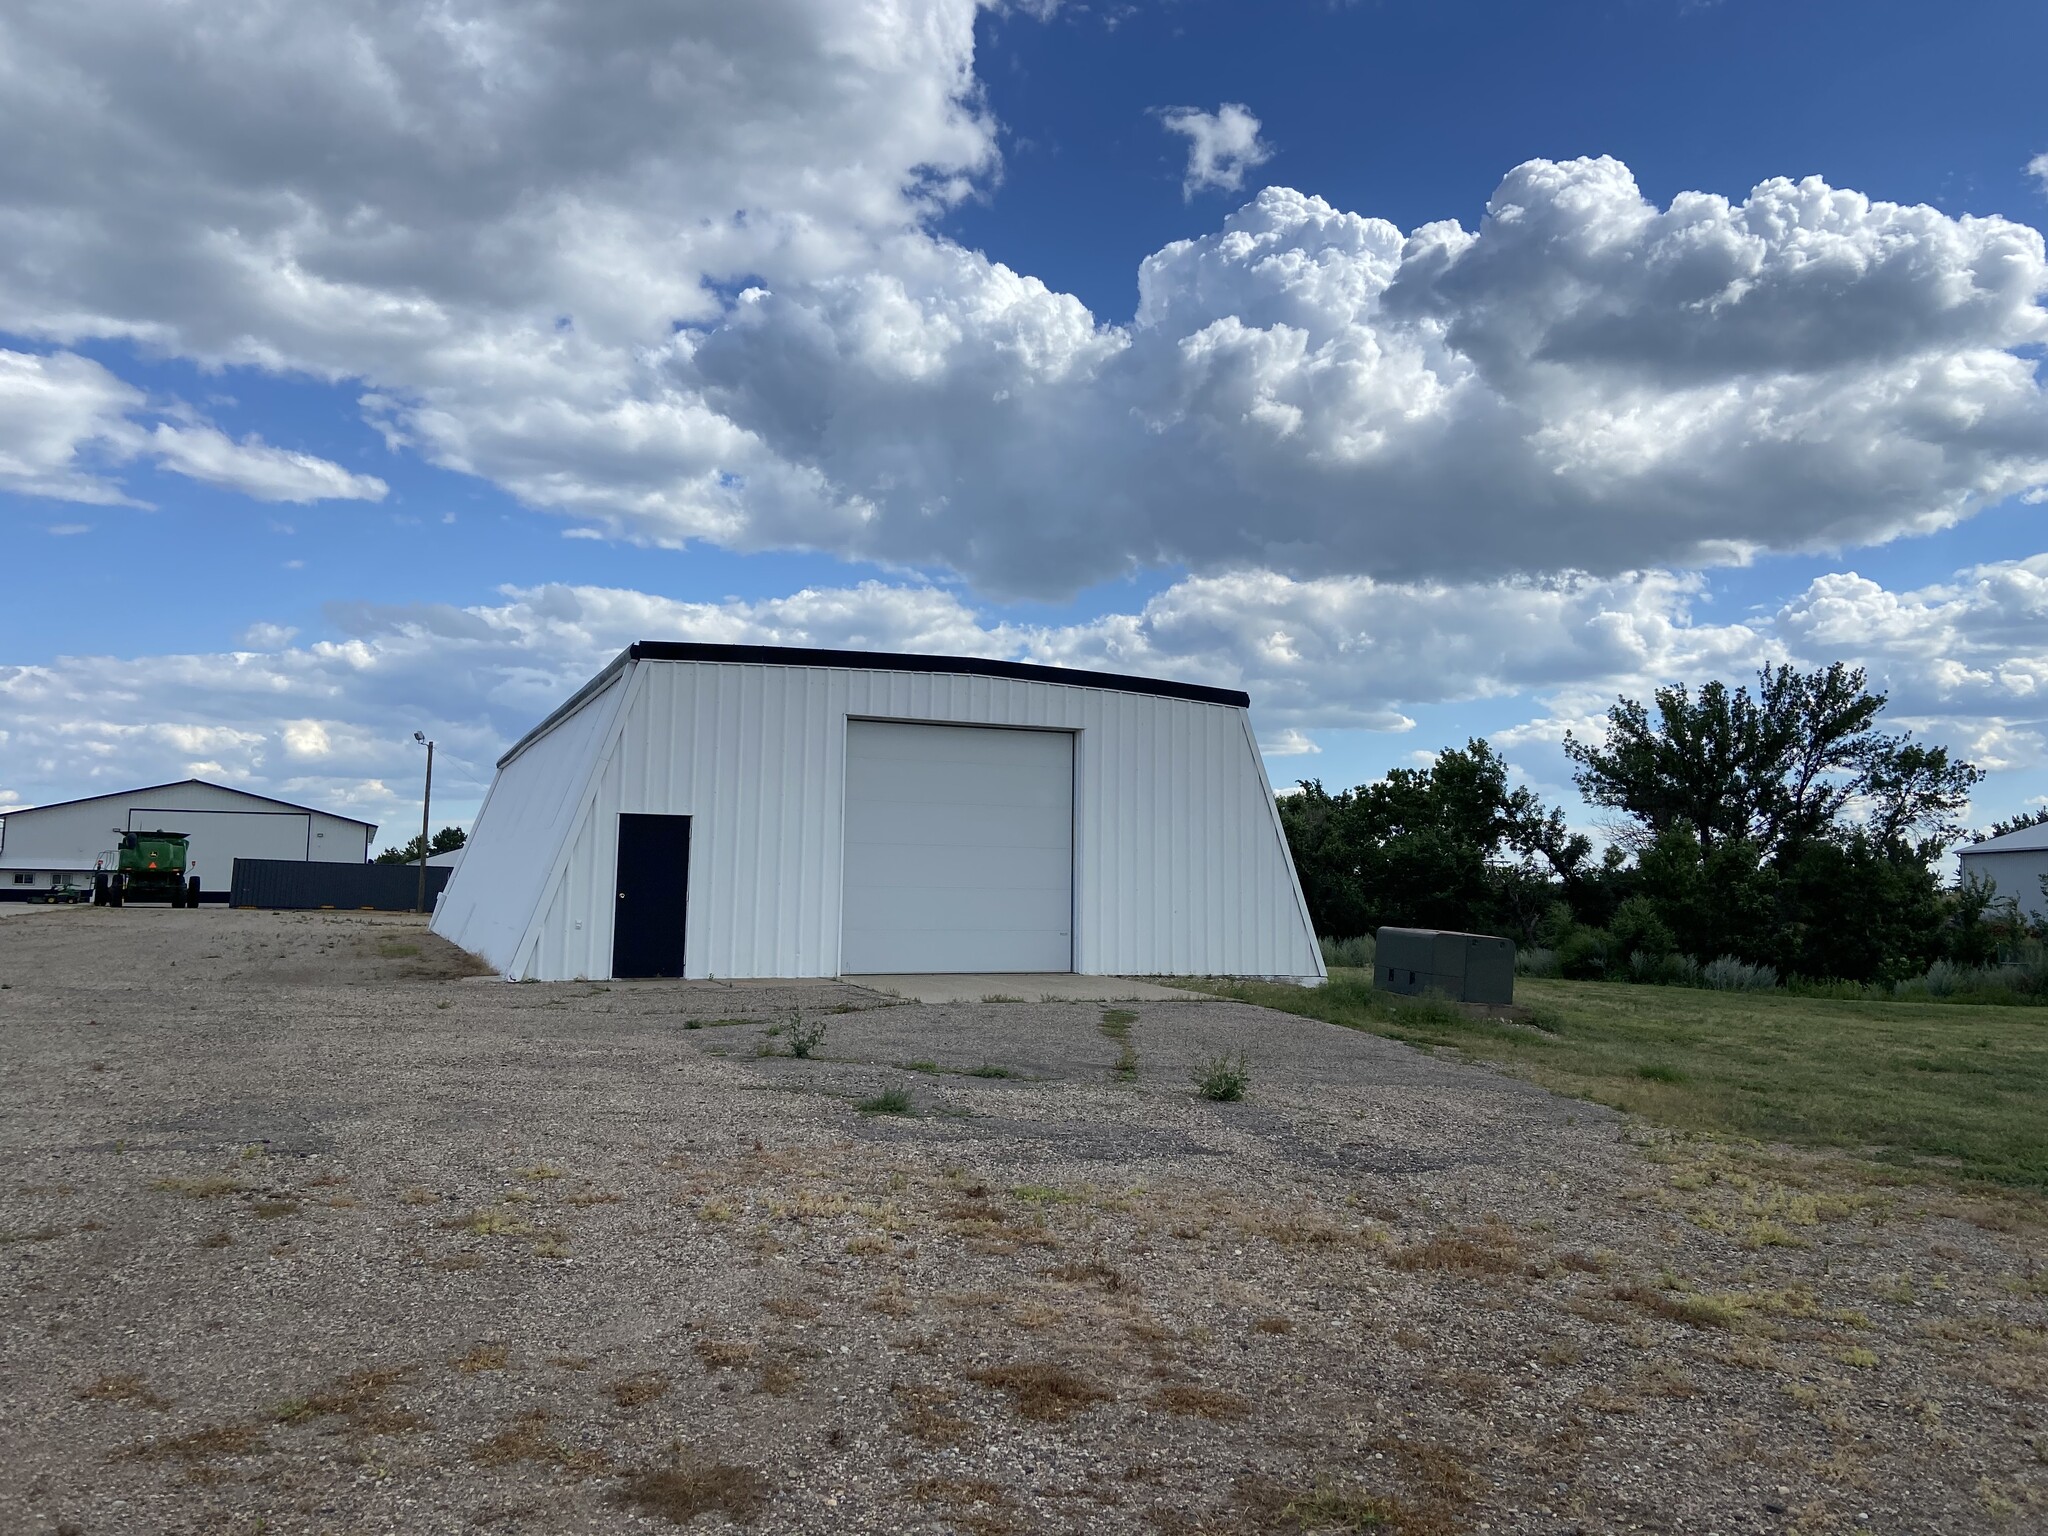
(148, 866)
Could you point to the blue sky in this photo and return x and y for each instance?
(327, 420)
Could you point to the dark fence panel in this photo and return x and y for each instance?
(300, 884)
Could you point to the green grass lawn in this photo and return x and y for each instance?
(1961, 1088)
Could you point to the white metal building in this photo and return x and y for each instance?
(55, 844)
(728, 810)
(2014, 865)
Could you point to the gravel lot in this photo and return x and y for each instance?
(306, 1229)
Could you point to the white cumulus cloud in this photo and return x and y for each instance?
(67, 425)
(1222, 146)
(1587, 381)
(61, 419)
(256, 469)
(674, 275)
(331, 721)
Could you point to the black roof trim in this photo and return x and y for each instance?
(970, 666)
(122, 794)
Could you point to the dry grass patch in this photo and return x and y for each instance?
(890, 1300)
(778, 1378)
(640, 1388)
(201, 1445)
(1093, 1271)
(358, 1397)
(972, 1504)
(689, 1487)
(1719, 1309)
(490, 1222)
(1327, 1507)
(485, 1357)
(525, 1438)
(1200, 1402)
(1490, 1248)
(122, 1387)
(920, 1418)
(724, 1354)
(1042, 1390)
(794, 1307)
(1273, 1324)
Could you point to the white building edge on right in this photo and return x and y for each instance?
(2013, 866)
(757, 811)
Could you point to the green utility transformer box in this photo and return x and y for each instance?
(1465, 967)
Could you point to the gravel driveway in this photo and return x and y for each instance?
(309, 1230)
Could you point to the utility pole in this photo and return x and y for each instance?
(426, 811)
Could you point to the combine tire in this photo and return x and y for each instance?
(177, 893)
(192, 892)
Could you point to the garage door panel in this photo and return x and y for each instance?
(1039, 869)
(953, 908)
(964, 950)
(949, 826)
(959, 849)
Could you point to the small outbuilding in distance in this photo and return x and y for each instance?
(2014, 866)
(763, 811)
(59, 845)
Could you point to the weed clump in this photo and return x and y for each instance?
(1223, 1079)
(1489, 1249)
(890, 1101)
(485, 1357)
(805, 1035)
(642, 1387)
(200, 1445)
(1042, 1390)
(688, 1488)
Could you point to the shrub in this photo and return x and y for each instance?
(1536, 962)
(1354, 954)
(805, 1036)
(1636, 929)
(1582, 954)
(1728, 974)
(1943, 977)
(1223, 1078)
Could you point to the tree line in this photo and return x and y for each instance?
(447, 840)
(1781, 826)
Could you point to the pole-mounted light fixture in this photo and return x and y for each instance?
(426, 811)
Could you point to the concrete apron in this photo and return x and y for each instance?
(1021, 987)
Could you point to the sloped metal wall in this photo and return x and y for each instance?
(1180, 867)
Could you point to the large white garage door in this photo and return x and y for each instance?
(959, 849)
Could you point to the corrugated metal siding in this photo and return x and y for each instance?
(1180, 867)
(515, 851)
(303, 884)
(224, 824)
(2016, 873)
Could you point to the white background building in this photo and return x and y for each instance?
(52, 843)
(2014, 864)
(711, 810)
